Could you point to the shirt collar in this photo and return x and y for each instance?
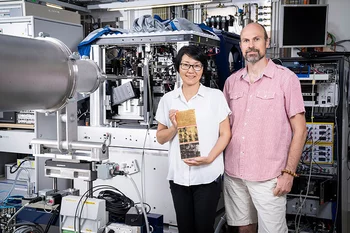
(268, 71)
(201, 91)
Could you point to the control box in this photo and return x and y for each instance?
(320, 132)
(320, 153)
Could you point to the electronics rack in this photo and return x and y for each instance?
(140, 70)
(321, 191)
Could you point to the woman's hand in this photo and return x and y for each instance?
(198, 161)
(172, 117)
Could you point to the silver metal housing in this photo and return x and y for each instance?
(41, 74)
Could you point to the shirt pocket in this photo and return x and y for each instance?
(235, 99)
(236, 95)
(265, 95)
(236, 103)
(266, 100)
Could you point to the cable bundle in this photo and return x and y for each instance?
(28, 228)
(117, 204)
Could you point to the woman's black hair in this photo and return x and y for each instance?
(193, 52)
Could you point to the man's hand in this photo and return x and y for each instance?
(284, 185)
(197, 161)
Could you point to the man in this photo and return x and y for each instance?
(268, 134)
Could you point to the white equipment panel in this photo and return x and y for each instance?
(93, 217)
(30, 26)
(23, 8)
(320, 132)
(126, 145)
(16, 141)
(321, 154)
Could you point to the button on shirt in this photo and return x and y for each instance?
(211, 109)
(261, 131)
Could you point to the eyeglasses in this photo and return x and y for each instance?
(196, 67)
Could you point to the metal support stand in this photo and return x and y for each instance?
(54, 184)
(89, 186)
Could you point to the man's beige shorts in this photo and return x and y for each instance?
(248, 202)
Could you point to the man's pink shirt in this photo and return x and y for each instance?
(261, 131)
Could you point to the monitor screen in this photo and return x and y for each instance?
(303, 25)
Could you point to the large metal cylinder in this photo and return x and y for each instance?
(41, 74)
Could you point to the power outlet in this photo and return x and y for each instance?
(311, 207)
(130, 167)
(293, 206)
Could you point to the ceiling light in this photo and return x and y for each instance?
(54, 6)
(144, 4)
(152, 6)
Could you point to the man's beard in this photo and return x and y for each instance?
(253, 58)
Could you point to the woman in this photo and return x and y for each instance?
(195, 183)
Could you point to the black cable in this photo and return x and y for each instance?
(53, 219)
(82, 207)
(97, 187)
(316, 163)
(341, 41)
(348, 161)
(81, 211)
(17, 166)
(123, 208)
(76, 209)
(28, 227)
(116, 204)
(318, 140)
(35, 200)
(308, 149)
